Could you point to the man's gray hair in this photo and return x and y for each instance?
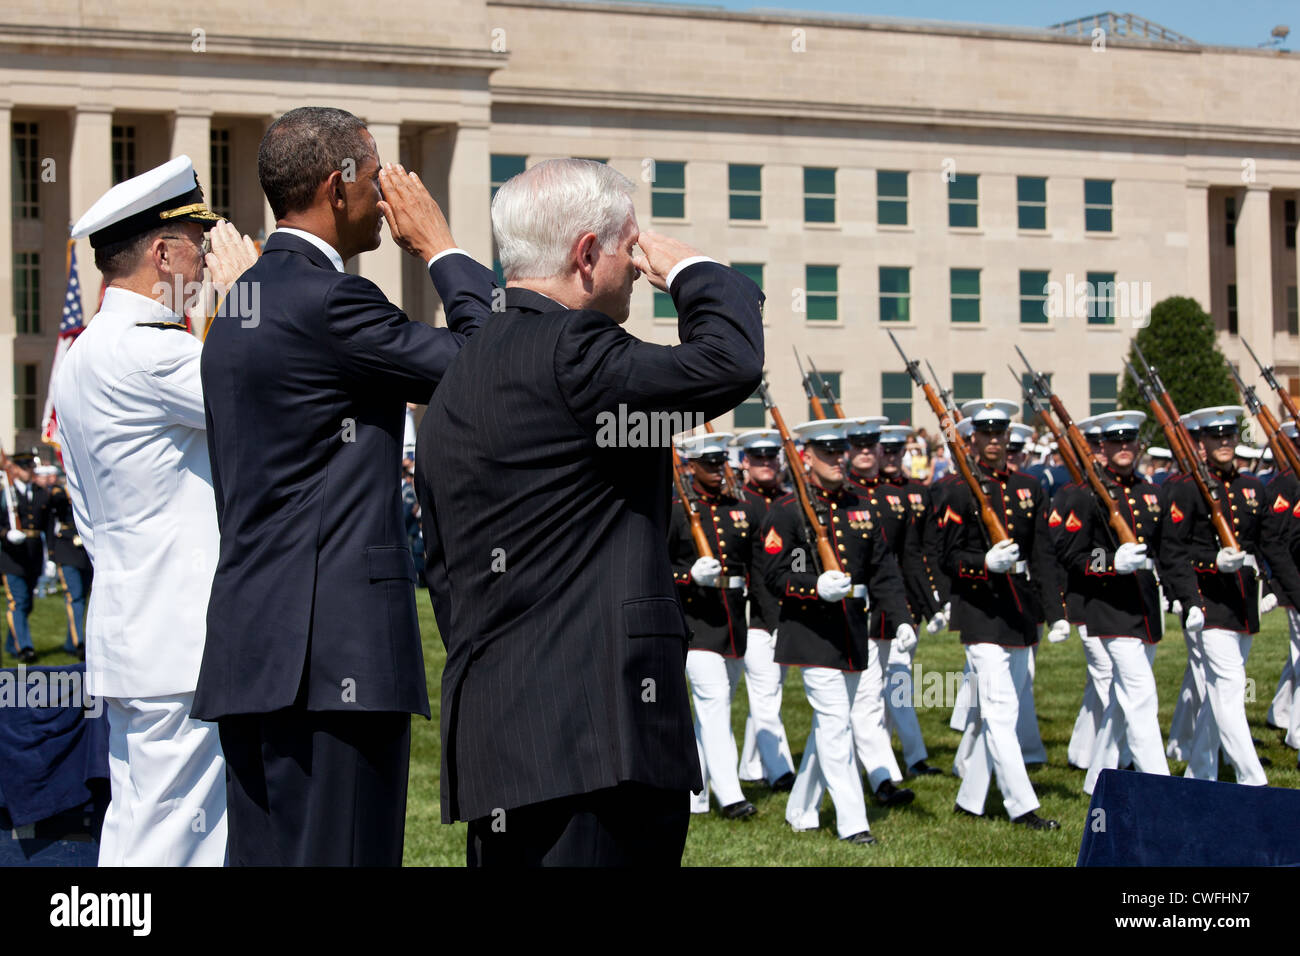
(539, 214)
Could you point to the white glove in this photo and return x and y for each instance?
(1230, 560)
(1268, 603)
(706, 571)
(15, 536)
(1130, 558)
(1058, 632)
(1176, 608)
(834, 586)
(51, 571)
(1195, 619)
(905, 637)
(936, 623)
(1002, 557)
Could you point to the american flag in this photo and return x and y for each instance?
(71, 325)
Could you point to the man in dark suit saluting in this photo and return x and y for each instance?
(544, 478)
(313, 663)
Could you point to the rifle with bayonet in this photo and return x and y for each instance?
(959, 450)
(828, 559)
(815, 402)
(1064, 447)
(1180, 443)
(1267, 372)
(1091, 470)
(826, 390)
(702, 547)
(1284, 452)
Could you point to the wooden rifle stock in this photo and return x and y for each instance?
(702, 547)
(1064, 447)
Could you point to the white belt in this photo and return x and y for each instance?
(731, 584)
(1020, 567)
(1251, 563)
(859, 591)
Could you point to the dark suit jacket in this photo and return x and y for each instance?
(314, 588)
(546, 547)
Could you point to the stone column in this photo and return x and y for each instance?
(1255, 272)
(383, 266)
(1198, 242)
(192, 137)
(90, 158)
(8, 324)
(469, 211)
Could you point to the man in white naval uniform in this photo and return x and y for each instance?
(131, 427)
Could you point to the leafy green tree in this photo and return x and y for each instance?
(1179, 342)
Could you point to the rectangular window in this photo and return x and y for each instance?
(750, 413)
(750, 270)
(1232, 308)
(818, 194)
(1103, 393)
(27, 293)
(219, 154)
(1097, 206)
(963, 202)
(1289, 222)
(1292, 316)
(1033, 297)
(664, 307)
(895, 294)
(123, 153)
(668, 190)
(964, 285)
(833, 380)
(504, 167)
(1031, 202)
(822, 285)
(745, 191)
(24, 396)
(1230, 220)
(896, 397)
(26, 171)
(1101, 298)
(1026, 413)
(967, 386)
(891, 197)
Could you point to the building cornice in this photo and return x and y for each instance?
(64, 41)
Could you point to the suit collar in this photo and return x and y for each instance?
(293, 241)
(527, 300)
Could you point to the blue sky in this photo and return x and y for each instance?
(1212, 22)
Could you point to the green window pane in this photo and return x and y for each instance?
(1031, 189)
(963, 215)
(750, 413)
(503, 167)
(746, 207)
(890, 183)
(964, 187)
(821, 278)
(1033, 283)
(965, 281)
(891, 212)
(895, 386)
(894, 280)
(1102, 298)
(668, 205)
(818, 209)
(967, 386)
(1096, 192)
(745, 178)
(895, 309)
(823, 308)
(1031, 217)
(1033, 297)
(750, 270)
(965, 310)
(664, 307)
(1032, 312)
(1096, 220)
(669, 175)
(1103, 386)
(818, 179)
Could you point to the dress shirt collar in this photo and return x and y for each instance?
(318, 242)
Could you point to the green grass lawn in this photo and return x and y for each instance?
(924, 833)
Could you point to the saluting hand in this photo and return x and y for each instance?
(231, 255)
(658, 255)
(415, 220)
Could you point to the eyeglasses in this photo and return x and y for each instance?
(204, 247)
(864, 441)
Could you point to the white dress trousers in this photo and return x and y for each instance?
(1131, 716)
(1000, 674)
(1284, 713)
(168, 780)
(828, 757)
(900, 714)
(713, 682)
(765, 754)
(1190, 697)
(1221, 721)
(1031, 741)
(870, 732)
(1096, 694)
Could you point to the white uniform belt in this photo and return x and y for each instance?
(1251, 563)
(1020, 567)
(859, 591)
(731, 583)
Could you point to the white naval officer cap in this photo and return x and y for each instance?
(165, 194)
(758, 439)
(708, 443)
(1216, 419)
(1114, 424)
(988, 410)
(1289, 428)
(1019, 435)
(895, 435)
(828, 432)
(1155, 451)
(868, 425)
(1245, 451)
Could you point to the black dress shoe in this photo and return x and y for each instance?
(1264, 761)
(1033, 821)
(861, 839)
(923, 769)
(888, 795)
(27, 655)
(959, 809)
(740, 810)
(784, 783)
